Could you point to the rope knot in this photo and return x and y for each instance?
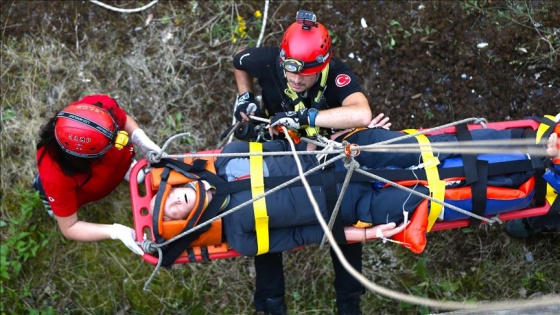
(154, 157)
(149, 246)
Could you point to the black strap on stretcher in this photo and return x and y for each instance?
(478, 192)
(539, 164)
(469, 160)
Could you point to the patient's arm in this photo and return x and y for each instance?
(355, 234)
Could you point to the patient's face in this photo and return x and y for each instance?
(179, 203)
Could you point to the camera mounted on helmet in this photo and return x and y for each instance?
(87, 131)
(307, 19)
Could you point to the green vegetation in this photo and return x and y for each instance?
(523, 14)
(170, 68)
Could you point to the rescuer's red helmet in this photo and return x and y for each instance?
(85, 130)
(306, 45)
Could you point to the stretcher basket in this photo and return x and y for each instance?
(141, 195)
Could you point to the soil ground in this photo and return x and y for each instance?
(421, 63)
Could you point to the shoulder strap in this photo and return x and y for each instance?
(197, 172)
(478, 191)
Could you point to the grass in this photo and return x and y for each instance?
(174, 75)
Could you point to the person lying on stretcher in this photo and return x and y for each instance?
(181, 202)
(368, 210)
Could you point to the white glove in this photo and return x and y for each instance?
(142, 141)
(127, 236)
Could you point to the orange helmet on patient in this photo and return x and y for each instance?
(306, 45)
(87, 131)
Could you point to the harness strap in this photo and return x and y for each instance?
(190, 253)
(546, 127)
(189, 170)
(316, 100)
(469, 160)
(196, 171)
(259, 206)
(157, 205)
(478, 191)
(204, 253)
(435, 184)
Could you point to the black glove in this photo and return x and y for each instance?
(247, 104)
(291, 120)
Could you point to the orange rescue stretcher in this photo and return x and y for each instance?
(141, 194)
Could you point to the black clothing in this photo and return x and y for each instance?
(292, 220)
(263, 64)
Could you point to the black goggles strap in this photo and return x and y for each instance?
(106, 132)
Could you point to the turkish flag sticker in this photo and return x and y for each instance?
(342, 80)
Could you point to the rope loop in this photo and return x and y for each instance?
(482, 121)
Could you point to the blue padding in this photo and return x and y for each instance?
(491, 158)
(493, 206)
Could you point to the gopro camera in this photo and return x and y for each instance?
(306, 18)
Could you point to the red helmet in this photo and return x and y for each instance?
(85, 130)
(305, 48)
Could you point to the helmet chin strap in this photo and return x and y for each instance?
(317, 75)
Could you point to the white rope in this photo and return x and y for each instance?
(414, 192)
(358, 276)
(552, 300)
(345, 185)
(265, 17)
(229, 137)
(106, 6)
(368, 284)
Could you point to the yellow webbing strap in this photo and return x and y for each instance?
(311, 131)
(435, 184)
(551, 194)
(259, 206)
(543, 128)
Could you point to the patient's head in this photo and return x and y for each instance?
(180, 202)
(178, 205)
